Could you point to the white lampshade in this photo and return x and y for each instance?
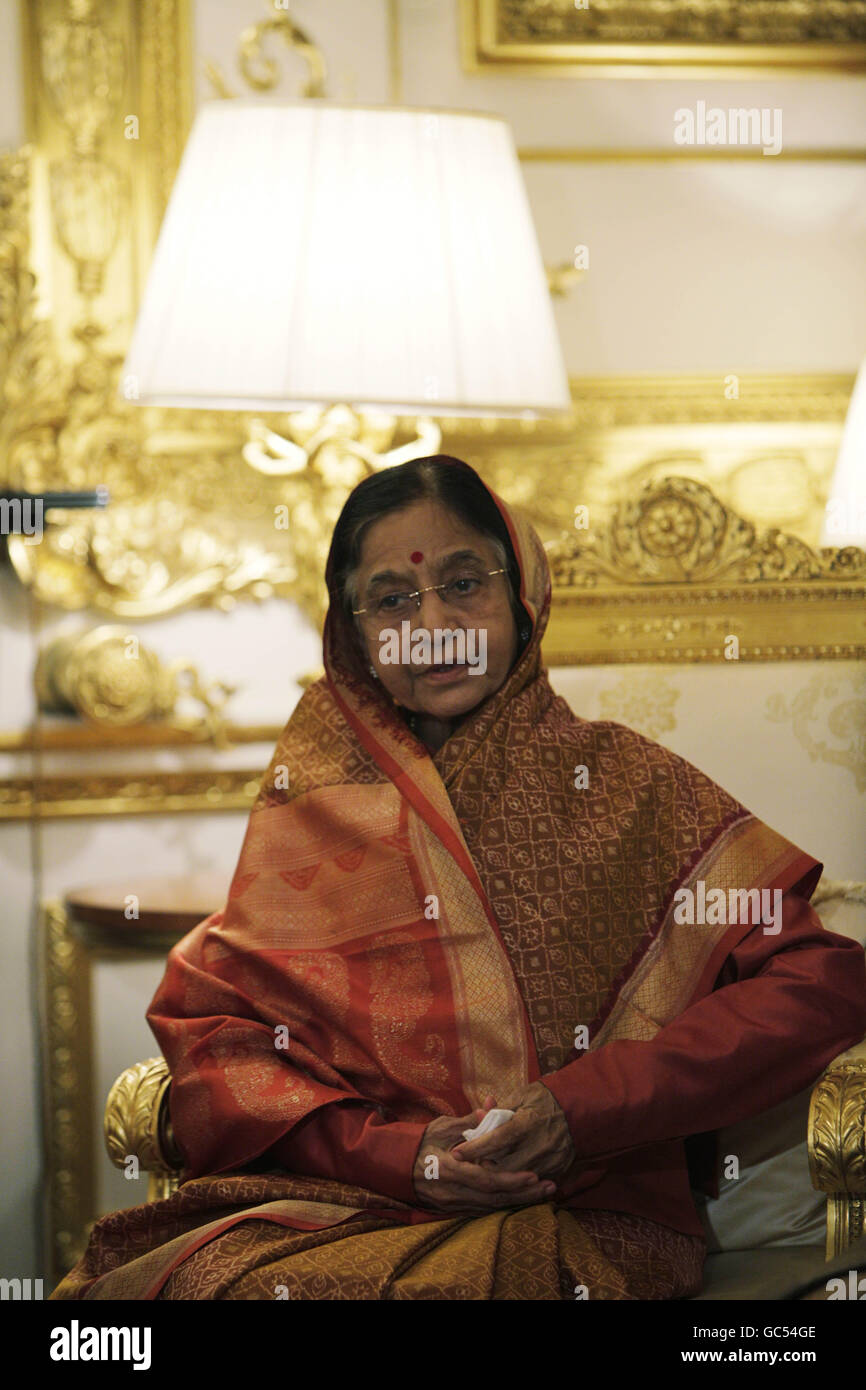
(315, 253)
(845, 517)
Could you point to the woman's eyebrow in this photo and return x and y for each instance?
(458, 557)
(388, 577)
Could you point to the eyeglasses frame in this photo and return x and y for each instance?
(416, 593)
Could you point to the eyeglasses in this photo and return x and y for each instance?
(467, 592)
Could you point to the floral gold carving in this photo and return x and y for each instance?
(189, 522)
(645, 702)
(674, 573)
(676, 531)
(825, 705)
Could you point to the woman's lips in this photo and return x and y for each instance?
(444, 675)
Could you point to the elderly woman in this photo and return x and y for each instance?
(454, 895)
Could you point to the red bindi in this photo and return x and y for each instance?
(416, 557)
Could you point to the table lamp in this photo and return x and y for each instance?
(318, 255)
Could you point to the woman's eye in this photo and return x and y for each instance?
(466, 584)
(388, 602)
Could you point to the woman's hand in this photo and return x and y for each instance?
(452, 1185)
(536, 1138)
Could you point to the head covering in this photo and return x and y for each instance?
(343, 662)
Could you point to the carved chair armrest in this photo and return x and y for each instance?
(137, 1125)
(837, 1145)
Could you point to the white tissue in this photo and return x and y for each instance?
(492, 1120)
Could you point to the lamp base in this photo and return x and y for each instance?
(322, 439)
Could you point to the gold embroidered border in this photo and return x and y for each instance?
(378, 897)
(133, 1280)
(493, 1053)
(663, 983)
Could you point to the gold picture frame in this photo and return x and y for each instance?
(652, 38)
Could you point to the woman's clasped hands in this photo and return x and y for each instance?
(515, 1165)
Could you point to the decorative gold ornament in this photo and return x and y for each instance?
(262, 73)
(80, 737)
(83, 65)
(561, 279)
(88, 198)
(107, 676)
(83, 68)
(69, 1114)
(676, 531)
(675, 575)
(137, 1125)
(34, 382)
(837, 1146)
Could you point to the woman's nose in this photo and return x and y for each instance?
(435, 611)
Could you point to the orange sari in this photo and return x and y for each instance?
(406, 932)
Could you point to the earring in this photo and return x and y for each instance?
(372, 671)
(524, 634)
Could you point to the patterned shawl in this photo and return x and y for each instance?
(420, 929)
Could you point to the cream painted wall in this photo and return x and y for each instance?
(693, 268)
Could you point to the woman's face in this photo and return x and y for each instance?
(411, 549)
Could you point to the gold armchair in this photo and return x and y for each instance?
(138, 1126)
(837, 1146)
